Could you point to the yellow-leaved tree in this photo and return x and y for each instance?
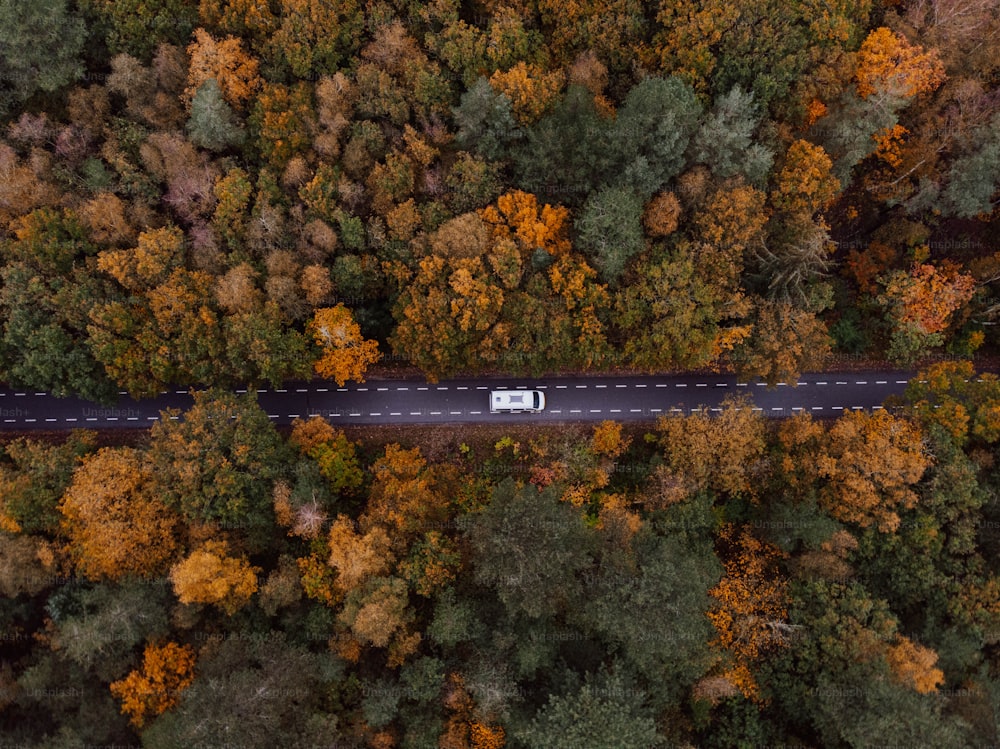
(211, 575)
(346, 355)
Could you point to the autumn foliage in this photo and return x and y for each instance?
(345, 354)
(167, 670)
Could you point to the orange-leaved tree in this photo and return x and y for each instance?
(232, 68)
(167, 670)
(115, 523)
(346, 355)
(210, 575)
(889, 64)
(751, 613)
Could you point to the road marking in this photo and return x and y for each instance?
(782, 384)
(821, 383)
(322, 390)
(414, 413)
(561, 387)
(595, 410)
(722, 385)
(857, 408)
(837, 408)
(680, 385)
(902, 382)
(655, 410)
(353, 414)
(661, 385)
(70, 419)
(11, 421)
(374, 413)
(381, 389)
(30, 421)
(52, 419)
(715, 409)
(625, 386)
(641, 386)
(293, 416)
(281, 391)
(701, 385)
(131, 418)
(301, 390)
(462, 387)
(20, 395)
(240, 392)
(423, 388)
(616, 410)
(453, 413)
(777, 408)
(272, 416)
(876, 408)
(600, 386)
(580, 387)
(796, 408)
(574, 410)
(554, 410)
(152, 418)
(482, 387)
(41, 393)
(395, 413)
(801, 383)
(112, 418)
(89, 418)
(841, 382)
(757, 408)
(761, 384)
(741, 384)
(259, 391)
(861, 382)
(881, 382)
(123, 392)
(635, 410)
(341, 390)
(441, 387)
(475, 413)
(817, 408)
(435, 413)
(402, 388)
(363, 389)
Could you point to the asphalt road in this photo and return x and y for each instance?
(467, 400)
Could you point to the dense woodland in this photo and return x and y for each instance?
(238, 192)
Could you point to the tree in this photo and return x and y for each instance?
(332, 451)
(953, 396)
(867, 464)
(485, 120)
(167, 670)
(34, 480)
(116, 523)
(610, 229)
(234, 71)
(346, 355)
(315, 37)
(530, 89)
(676, 315)
(651, 133)
(215, 463)
(725, 139)
(603, 712)
(40, 46)
(210, 575)
(783, 342)
(804, 184)
(750, 616)
(920, 303)
(529, 549)
(138, 27)
(721, 452)
(889, 64)
(213, 123)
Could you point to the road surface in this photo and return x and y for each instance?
(414, 401)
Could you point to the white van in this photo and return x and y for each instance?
(516, 401)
